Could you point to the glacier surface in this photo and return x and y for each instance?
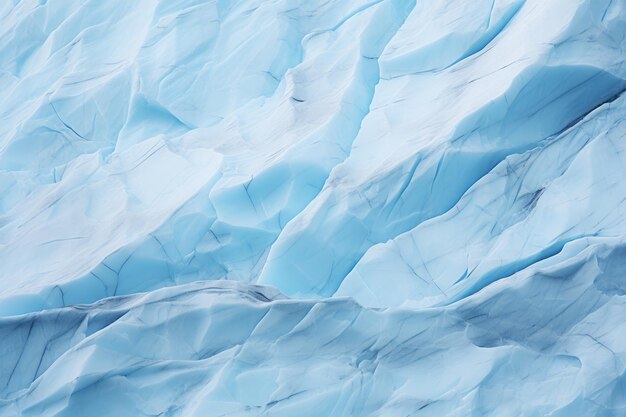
(312, 208)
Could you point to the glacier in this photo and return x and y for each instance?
(313, 208)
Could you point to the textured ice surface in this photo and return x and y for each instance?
(438, 188)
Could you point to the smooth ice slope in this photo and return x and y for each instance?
(313, 208)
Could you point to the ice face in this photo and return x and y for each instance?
(312, 208)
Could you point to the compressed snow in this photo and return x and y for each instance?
(437, 188)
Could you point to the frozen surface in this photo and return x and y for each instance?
(313, 208)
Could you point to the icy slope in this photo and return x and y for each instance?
(437, 188)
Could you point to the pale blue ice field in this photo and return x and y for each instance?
(312, 208)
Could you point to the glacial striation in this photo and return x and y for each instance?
(312, 208)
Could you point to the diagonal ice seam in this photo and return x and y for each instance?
(312, 208)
